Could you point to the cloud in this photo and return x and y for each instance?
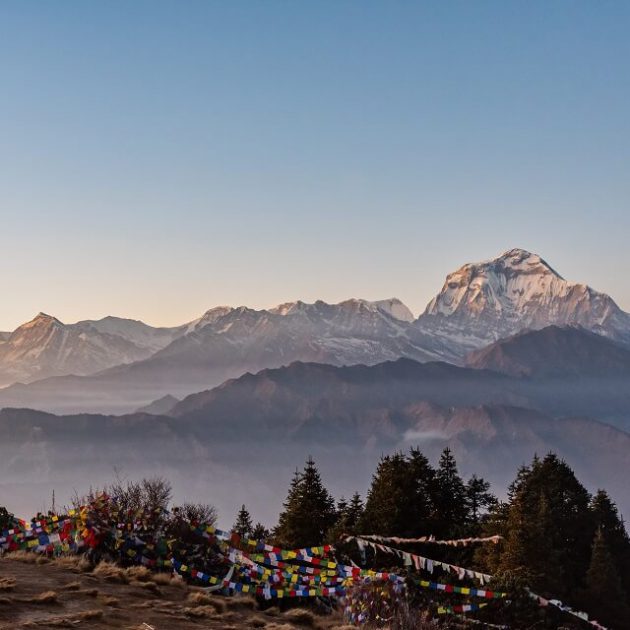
(414, 435)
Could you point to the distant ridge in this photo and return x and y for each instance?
(554, 351)
(116, 366)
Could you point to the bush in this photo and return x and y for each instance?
(7, 520)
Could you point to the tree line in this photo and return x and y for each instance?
(558, 539)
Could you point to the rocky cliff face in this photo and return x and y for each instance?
(483, 302)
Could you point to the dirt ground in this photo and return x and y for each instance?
(66, 593)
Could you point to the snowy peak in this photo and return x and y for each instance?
(132, 331)
(209, 317)
(512, 280)
(395, 308)
(392, 307)
(44, 346)
(483, 302)
(522, 261)
(41, 320)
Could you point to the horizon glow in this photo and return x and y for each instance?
(159, 159)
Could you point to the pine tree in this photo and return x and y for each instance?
(340, 527)
(604, 592)
(606, 518)
(348, 516)
(399, 501)
(260, 532)
(423, 480)
(243, 525)
(354, 513)
(450, 497)
(342, 509)
(549, 527)
(309, 511)
(479, 500)
(522, 475)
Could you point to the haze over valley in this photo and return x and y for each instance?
(508, 360)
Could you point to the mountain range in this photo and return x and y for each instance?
(45, 347)
(508, 360)
(116, 366)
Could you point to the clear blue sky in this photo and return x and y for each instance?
(159, 158)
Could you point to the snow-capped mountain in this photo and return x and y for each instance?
(483, 302)
(478, 305)
(136, 332)
(46, 347)
(227, 342)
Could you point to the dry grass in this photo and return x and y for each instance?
(198, 612)
(73, 563)
(72, 586)
(272, 612)
(279, 626)
(108, 600)
(67, 621)
(241, 603)
(258, 622)
(178, 580)
(22, 556)
(163, 579)
(7, 584)
(202, 599)
(139, 573)
(47, 597)
(198, 599)
(150, 587)
(300, 616)
(110, 572)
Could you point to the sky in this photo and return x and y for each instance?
(161, 158)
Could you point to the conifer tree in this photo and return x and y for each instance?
(309, 510)
(604, 592)
(521, 477)
(340, 526)
(479, 500)
(450, 497)
(606, 518)
(399, 502)
(549, 527)
(348, 517)
(354, 513)
(341, 509)
(243, 525)
(260, 532)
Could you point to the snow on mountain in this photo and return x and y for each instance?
(209, 317)
(483, 302)
(227, 342)
(136, 332)
(46, 347)
(352, 331)
(392, 307)
(478, 305)
(395, 308)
